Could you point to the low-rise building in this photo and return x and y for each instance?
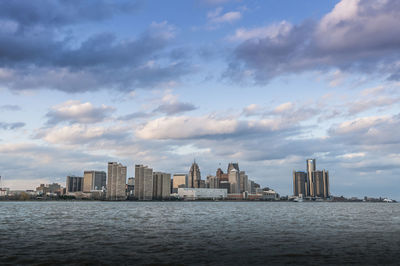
(202, 193)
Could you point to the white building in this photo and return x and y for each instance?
(202, 193)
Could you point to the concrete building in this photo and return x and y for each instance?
(243, 181)
(194, 176)
(143, 182)
(116, 183)
(201, 193)
(312, 183)
(233, 166)
(74, 184)
(161, 185)
(320, 181)
(300, 184)
(212, 182)
(94, 180)
(131, 181)
(179, 181)
(234, 181)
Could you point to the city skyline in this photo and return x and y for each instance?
(263, 83)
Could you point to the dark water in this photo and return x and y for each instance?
(203, 233)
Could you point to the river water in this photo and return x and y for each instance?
(199, 233)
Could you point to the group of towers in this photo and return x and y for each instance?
(313, 183)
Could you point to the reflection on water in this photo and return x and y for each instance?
(190, 233)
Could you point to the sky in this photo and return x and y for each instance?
(266, 84)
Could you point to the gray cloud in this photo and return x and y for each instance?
(175, 108)
(362, 37)
(47, 57)
(135, 115)
(11, 126)
(61, 13)
(10, 107)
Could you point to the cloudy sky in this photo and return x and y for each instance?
(263, 83)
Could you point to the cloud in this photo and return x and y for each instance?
(175, 108)
(10, 107)
(271, 31)
(135, 115)
(77, 112)
(61, 13)
(11, 126)
(356, 36)
(185, 127)
(216, 16)
(82, 134)
(49, 59)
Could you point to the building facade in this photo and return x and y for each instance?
(143, 182)
(234, 181)
(313, 183)
(116, 183)
(201, 193)
(74, 184)
(161, 185)
(179, 181)
(194, 176)
(94, 180)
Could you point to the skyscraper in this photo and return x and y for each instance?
(312, 183)
(94, 180)
(310, 168)
(243, 181)
(143, 182)
(74, 184)
(116, 182)
(300, 184)
(233, 166)
(161, 185)
(194, 176)
(234, 181)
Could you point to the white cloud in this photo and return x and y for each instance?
(217, 17)
(77, 112)
(271, 31)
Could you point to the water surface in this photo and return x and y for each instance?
(203, 233)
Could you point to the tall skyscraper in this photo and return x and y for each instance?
(312, 183)
(161, 185)
(311, 167)
(234, 181)
(94, 180)
(74, 184)
(300, 184)
(143, 182)
(194, 177)
(243, 181)
(116, 182)
(233, 166)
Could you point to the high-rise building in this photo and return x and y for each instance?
(161, 185)
(179, 181)
(94, 180)
(131, 181)
(320, 180)
(212, 181)
(143, 182)
(74, 184)
(234, 181)
(243, 181)
(233, 166)
(194, 177)
(300, 184)
(312, 183)
(311, 167)
(116, 183)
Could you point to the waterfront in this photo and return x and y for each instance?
(189, 233)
